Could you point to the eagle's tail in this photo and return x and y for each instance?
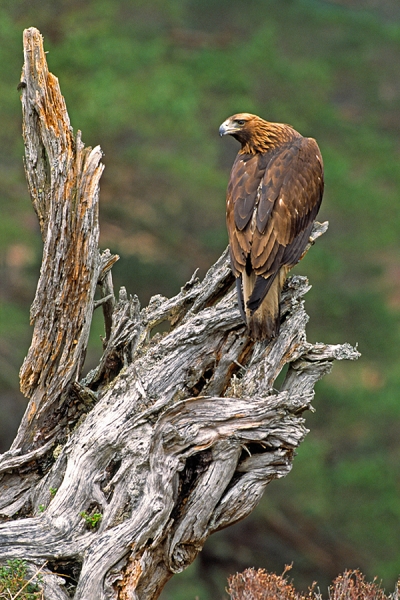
(262, 304)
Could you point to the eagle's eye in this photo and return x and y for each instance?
(240, 121)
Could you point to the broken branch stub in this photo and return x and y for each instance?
(117, 480)
(63, 179)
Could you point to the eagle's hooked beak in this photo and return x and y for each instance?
(226, 128)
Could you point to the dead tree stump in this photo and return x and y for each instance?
(118, 479)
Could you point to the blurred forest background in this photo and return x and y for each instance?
(151, 81)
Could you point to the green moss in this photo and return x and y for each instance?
(15, 581)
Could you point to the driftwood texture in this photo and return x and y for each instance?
(173, 436)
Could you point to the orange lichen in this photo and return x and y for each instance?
(129, 582)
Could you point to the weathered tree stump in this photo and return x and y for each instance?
(116, 481)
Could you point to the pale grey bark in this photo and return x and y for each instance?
(63, 180)
(171, 437)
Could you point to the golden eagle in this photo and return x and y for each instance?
(274, 194)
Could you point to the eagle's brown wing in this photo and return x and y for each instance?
(242, 194)
(272, 201)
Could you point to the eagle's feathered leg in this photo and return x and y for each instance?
(262, 299)
(239, 292)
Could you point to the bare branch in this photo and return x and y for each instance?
(63, 179)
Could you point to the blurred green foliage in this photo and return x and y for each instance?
(150, 81)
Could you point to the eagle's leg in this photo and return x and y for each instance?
(262, 301)
(239, 291)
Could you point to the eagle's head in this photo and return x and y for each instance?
(240, 126)
(255, 134)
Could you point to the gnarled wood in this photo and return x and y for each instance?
(63, 180)
(171, 437)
